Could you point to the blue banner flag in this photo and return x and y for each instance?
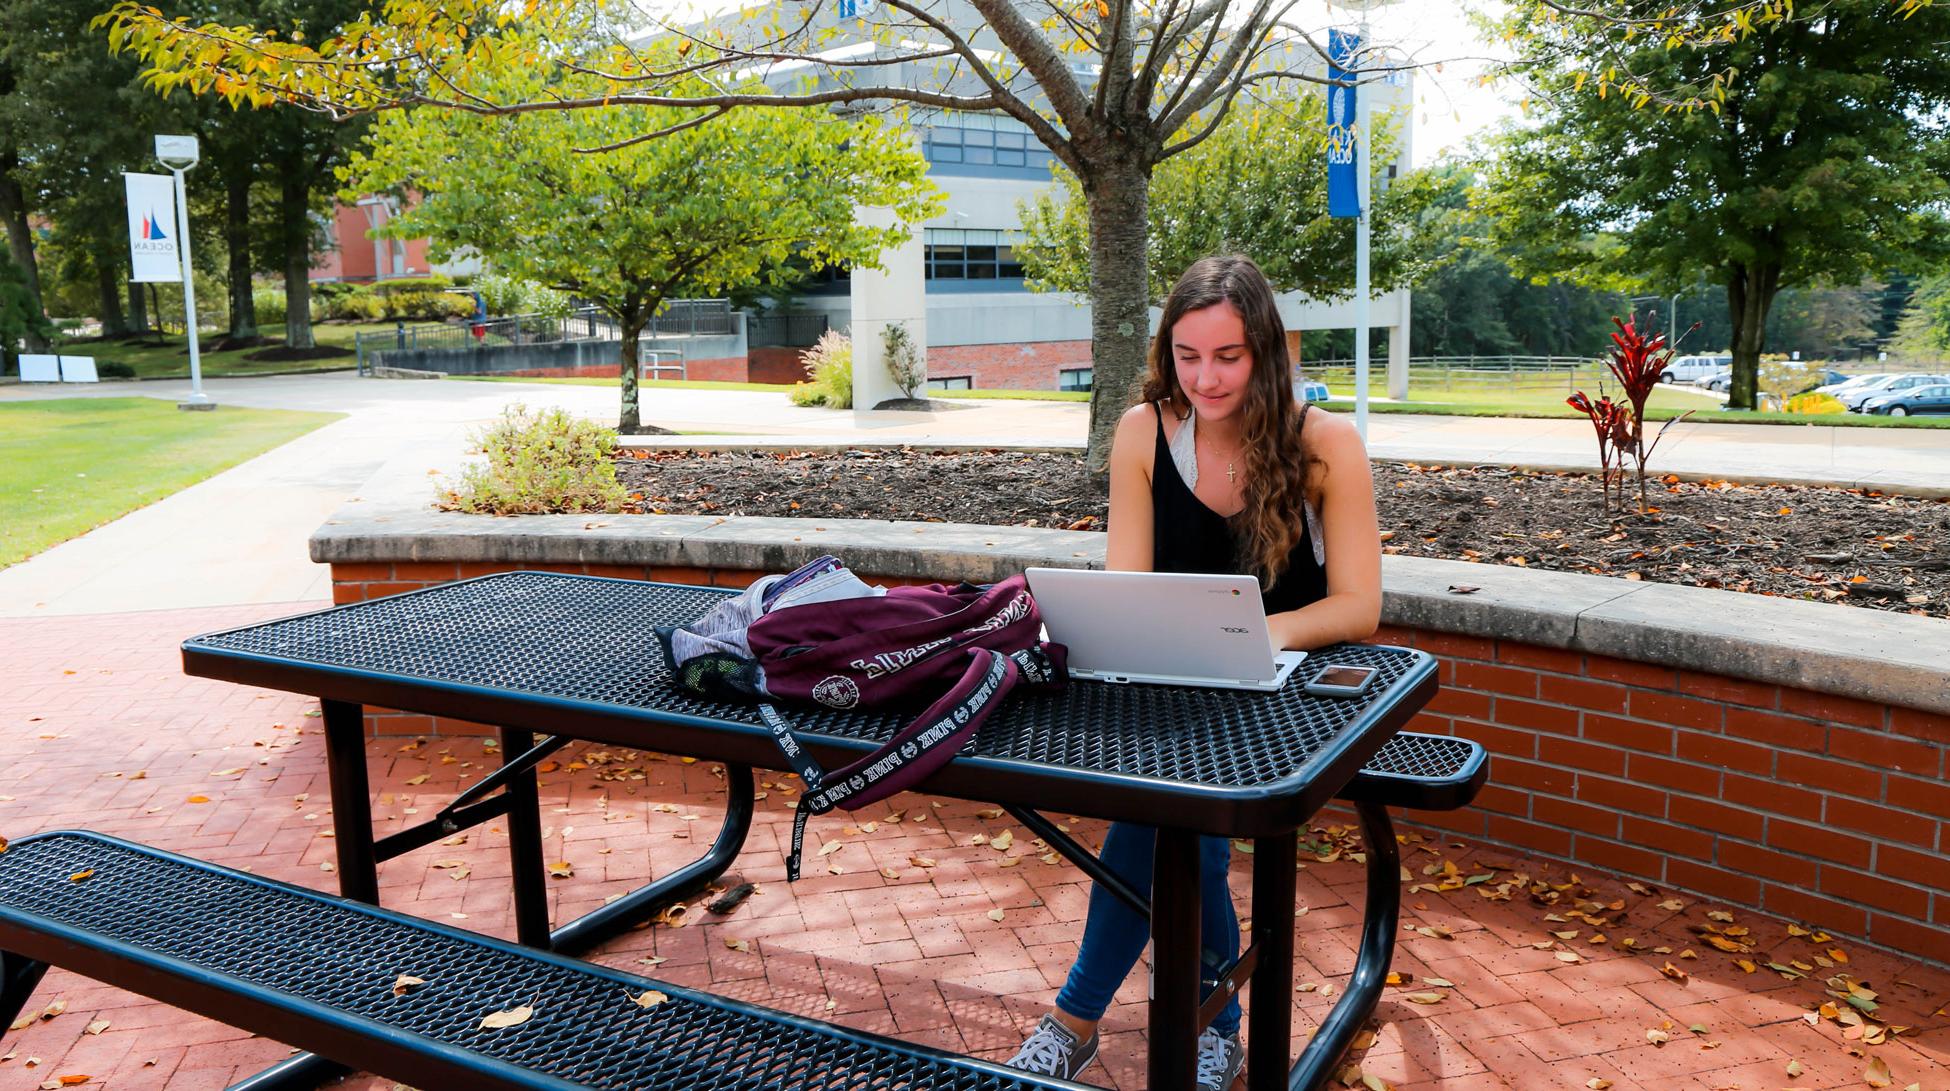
(1343, 193)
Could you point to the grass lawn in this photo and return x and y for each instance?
(70, 465)
(171, 359)
(1664, 404)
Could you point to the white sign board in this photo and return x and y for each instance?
(152, 229)
(38, 368)
(79, 369)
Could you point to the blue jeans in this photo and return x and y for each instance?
(1114, 935)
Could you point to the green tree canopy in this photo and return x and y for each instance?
(1824, 163)
(1257, 186)
(717, 204)
(1924, 331)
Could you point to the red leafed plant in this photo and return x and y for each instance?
(1614, 436)
(1637, 362)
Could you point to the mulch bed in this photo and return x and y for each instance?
(1827, 544)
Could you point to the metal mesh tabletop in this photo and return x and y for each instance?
(586, 1029)
(588, 641)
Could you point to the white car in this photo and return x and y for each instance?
(1890, 384)
(1853, 382)
(1692, 369)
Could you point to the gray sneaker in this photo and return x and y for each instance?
(1220, 1057)
(1054, 1051)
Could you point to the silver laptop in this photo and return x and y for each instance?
(1167, 628)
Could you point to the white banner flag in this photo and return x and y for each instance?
(152, 228)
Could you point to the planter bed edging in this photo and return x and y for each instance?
(1869, 655)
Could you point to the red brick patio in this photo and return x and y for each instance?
(102, 731)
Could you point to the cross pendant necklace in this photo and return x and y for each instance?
(1230, 476)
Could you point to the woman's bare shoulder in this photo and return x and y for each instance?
(1328, 433)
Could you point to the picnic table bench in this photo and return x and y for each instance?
(318, 971)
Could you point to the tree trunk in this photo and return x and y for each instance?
(237, 240)
(631, 322)
(108, 283)
(138, 309)
(1120, 325)
(20, 237)
(294, 216)
(1750, 295)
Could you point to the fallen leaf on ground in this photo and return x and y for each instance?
(649, 998)
(831, 847)
(996, 914)
(921, 861)
(1794, 1068)
(406, 983)
(96, 1027)
(653, 960)
(1877, 1074)
(738, 944)
(1462, 589)
(1001, 841)
(561, 869)
(1657, 1037)
(81, 875)
(513, 1017)
(1597, 1083)
(1423, 998)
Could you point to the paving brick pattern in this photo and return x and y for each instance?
(102, 730)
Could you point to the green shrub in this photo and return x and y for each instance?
(512, 295)
(540, 463)
(268, 304)
(428, 306)
(332, 289)
(831, 360)
(904, 360)
(433, 282)
(355, 306)
(115, 369)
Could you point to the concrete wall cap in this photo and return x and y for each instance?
(1870, 655)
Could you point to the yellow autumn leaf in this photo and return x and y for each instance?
(1877, 1074)
(649, 998)
(921, 861)
(1423, 998)
(513, 1017)
(561, 869)
(406, 983)
(82, 875)
(738, 944)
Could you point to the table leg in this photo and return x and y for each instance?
(1378, 926)
(1269, 1029)
(615, 918)
(345, 759)
(1175, 962)
(525, 845)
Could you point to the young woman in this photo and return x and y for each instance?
(1220, 470)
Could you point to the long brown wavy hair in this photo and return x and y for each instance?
(1278, 473)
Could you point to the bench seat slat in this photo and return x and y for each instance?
(316, 971)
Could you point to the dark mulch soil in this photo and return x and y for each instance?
(1828, 544)
(281, 352)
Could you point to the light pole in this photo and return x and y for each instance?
(179, 154)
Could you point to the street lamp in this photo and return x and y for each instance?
(179, 154)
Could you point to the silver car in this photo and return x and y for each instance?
(1894, 384)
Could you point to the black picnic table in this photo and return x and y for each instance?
(575, 657)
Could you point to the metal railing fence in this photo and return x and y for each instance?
(680, 318)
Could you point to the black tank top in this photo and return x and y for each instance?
(1187, 536)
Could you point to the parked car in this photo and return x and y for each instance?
(1916, 399)
(1850, 382)
(1719, 380)
(1691, 369)
(1828, 377)
(1856, 398)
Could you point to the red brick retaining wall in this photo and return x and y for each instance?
(1027, 365)
(1805, 805)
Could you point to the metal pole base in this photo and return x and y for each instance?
(197, 403)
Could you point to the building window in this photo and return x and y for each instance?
(961, 254)
(981, 147)
(958, 382)
(1073, 378)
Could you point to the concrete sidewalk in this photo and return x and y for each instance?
(240, 536)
